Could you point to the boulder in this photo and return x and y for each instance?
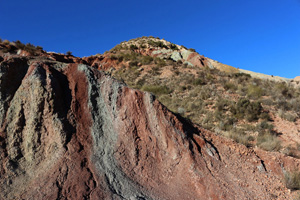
(176, 56)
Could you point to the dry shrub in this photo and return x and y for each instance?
(268, 142)
(157, 90)
(240, 137)
(292, 180)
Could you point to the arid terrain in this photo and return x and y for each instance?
(148, 119)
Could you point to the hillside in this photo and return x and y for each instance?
(69, 129)
(251, 108)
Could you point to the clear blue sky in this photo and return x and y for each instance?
(257, 35)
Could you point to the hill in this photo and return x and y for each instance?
(70, 130)
(251, 108)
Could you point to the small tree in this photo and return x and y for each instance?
(69, 53)
(133, 47)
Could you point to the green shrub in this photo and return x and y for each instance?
(226, 125)
(39, 48)
(240, 137)
(133, 47)
(282, 104)
(245, 109)
(173, 46)
(133, 63)
(255, 91)
(160, 62)
(218, 115)
(157, 44)
(112, 57)
(265, 116)
(183, 46)
(143, 46)
(230, 86)
(242, 75)
(268, 101)
(283, 89)
(146, 60)
(120, 58)
(31, 48)
(130, 56)
(165, 99)
(198, 81)
(222, 104)
(192, 106)
(264, 125)
(117, 48)
(204, 94)
(19, 44)
(155, 71)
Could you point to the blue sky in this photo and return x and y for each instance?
(257, 35)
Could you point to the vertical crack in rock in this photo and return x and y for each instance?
(62, 99)
(12, 73)
(78, 140)
(48, 124)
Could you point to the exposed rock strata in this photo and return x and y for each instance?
(69, 131)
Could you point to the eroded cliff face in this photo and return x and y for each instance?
(69, 131)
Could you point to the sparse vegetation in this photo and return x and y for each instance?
(240, 137)
(292, 151)
(255, 92)
(174, 47)
(230, 86)
(13, 47)
(191, 49)
(158, 90)
(292, 180)
(133, 47)
(233, 104)
(6, 42)
(268, 142)
(157, 44)
(245, 109)
(289, 116)
(146, 60)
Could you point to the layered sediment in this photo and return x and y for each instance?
(69, 131)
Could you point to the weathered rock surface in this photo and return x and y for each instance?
(69, 131)
(297, 78)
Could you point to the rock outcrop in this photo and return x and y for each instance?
(297, 78)
(69, 131)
